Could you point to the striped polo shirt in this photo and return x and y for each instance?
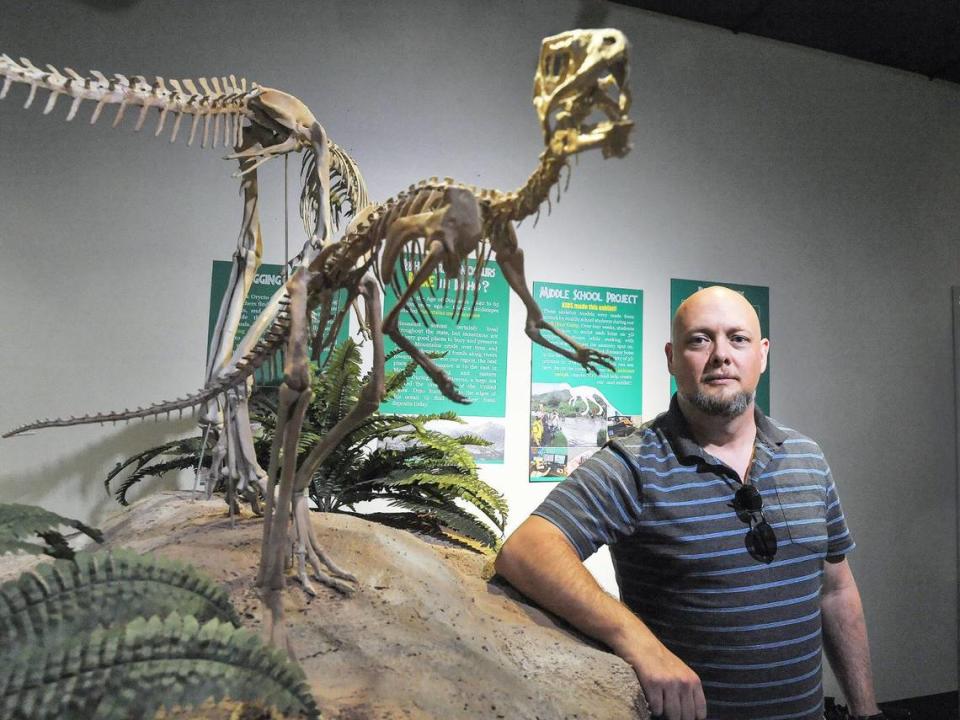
(750, 630)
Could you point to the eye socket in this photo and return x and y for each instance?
(555, 64)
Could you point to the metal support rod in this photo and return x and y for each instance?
(286, 220)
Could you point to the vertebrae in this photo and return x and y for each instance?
(222, 100)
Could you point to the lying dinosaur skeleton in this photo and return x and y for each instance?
(582, 101)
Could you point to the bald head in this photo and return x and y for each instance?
(716, 352)
(715, 301)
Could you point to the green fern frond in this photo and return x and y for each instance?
(395, 381)
(449, 415)
(474, 440)
(20, 522)
(339, 383)
(140, 459)
(155, 470)
(455, 518)
(149, 665)
(452, 451)
(478, 493)
(68, 598)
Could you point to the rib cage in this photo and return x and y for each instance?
(363, 241)
(222, 100)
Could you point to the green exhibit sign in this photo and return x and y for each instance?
(475, 347)
(476, 354)
(268, 280)
(757, 295)
(573, 411)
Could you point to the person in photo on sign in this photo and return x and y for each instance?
(727, 538)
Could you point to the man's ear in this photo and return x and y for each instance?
(765, 350)
(668, 351)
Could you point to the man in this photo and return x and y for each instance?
(727, 538)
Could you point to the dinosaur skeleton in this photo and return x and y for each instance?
(581, 99)
(261, 123)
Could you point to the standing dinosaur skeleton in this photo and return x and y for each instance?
(581, 99)
(261, 123)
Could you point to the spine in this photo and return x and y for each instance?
(222, 100)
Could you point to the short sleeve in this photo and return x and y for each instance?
(599, 503)
(839, 540)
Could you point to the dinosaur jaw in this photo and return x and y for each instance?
(580, 92)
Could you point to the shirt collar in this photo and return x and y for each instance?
(680, 436)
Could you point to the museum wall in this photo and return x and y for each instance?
(833, 182)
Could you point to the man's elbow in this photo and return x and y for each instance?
(510, 556)
(527, 547)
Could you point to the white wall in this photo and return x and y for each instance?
(832, 181)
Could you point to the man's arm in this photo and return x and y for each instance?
(845, 637)
(540, 562)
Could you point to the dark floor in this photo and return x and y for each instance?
(930, 707)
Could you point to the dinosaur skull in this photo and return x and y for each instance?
(580, 92)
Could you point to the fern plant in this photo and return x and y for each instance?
(429, 477)
(139, 668)
(21, 524)
(156, 461)
(73, 597)
(75, 640)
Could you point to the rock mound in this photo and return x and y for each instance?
(424, 636)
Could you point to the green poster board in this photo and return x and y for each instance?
(573, 411)
(759, 297)
(476, 356)
(268, 280)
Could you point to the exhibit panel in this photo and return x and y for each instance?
(573, 412)
(473, 343)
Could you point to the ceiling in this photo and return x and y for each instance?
(920, 36)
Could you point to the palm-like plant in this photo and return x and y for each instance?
(430, 477)
(177, 455)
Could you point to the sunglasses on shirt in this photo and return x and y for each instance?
(761, 541)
